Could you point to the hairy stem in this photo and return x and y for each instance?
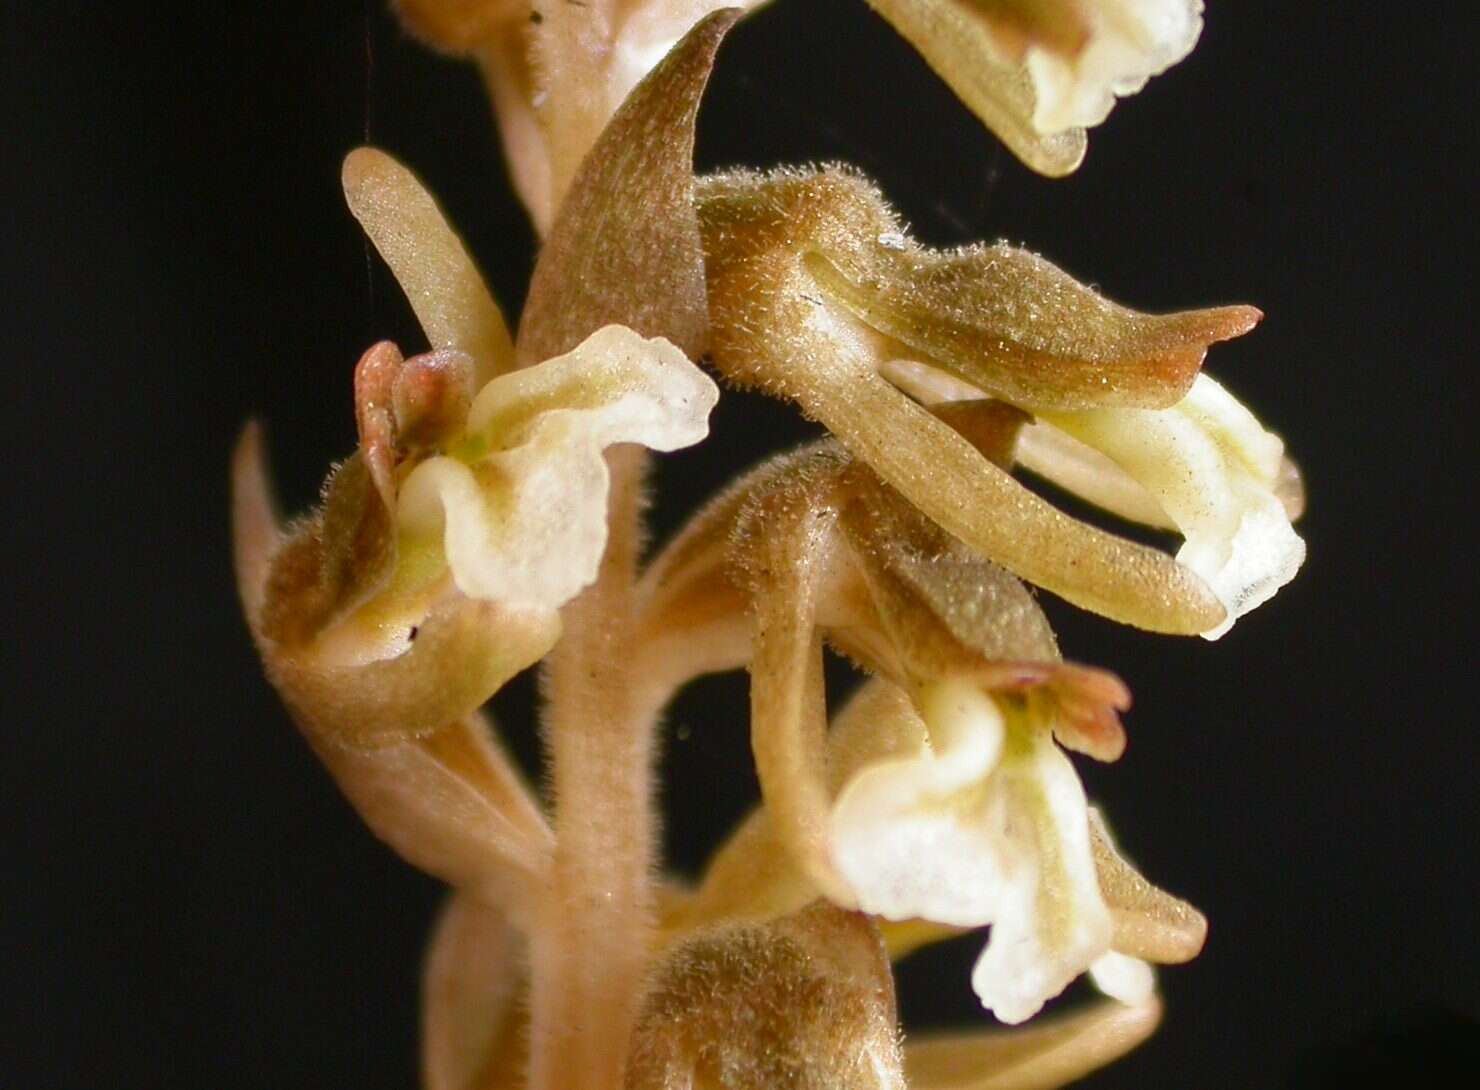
(589, 955)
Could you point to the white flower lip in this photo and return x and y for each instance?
(523, 515)
(987, 824)
(1214, 471)
(906, 832)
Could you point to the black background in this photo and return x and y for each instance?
(186, 900)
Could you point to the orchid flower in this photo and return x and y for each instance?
(943, 796)
(978, 817)
(446, 546)
(867, 316)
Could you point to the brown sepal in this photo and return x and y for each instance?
(333, 562)
(1150, 923)
(625, 247)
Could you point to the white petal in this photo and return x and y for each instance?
(1213, 469)
(1053, 923)
(1130, 980)
(916, 837)
(521, 506)
(429, 261)
(985, 824)
(1130, 41)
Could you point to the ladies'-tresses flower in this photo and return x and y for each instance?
(974, 817)
(858, 312)
(446, 546)
(957, 810)
(1205, 468)
(498, 496)
(941, 794)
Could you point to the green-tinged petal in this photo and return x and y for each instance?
(1218, 475)
(959, 45)
(1126, 43)
(520, 505)
(1038, 72)
(1088, 473)
(430, 262)
(984, 824)
(906, 833)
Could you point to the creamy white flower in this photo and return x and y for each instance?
(984, 823)
(519, 502)
(1216, 474)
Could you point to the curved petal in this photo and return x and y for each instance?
(984, 824)
(911, 836)
(1051, 924)
(1038, 74)
(429, 261)
(1128, 42)
(1149, 922)
(1217, 473)
(521, 505)
(1088, 473)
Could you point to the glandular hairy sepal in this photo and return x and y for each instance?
(805, 1001)
(783, 323)
(625, 247)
